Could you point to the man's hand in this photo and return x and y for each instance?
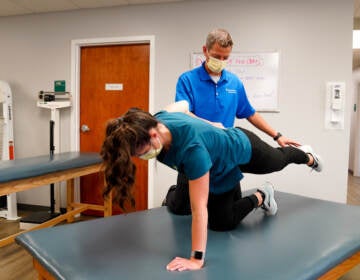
(283, 141)
(181, 264)
(217, 124)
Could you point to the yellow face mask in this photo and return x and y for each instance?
(216, 65)
(152, 153)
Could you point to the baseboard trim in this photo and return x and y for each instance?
(36, 208)
(32, 207)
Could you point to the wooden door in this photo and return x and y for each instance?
(112, 79)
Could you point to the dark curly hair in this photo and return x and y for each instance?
(124, 136)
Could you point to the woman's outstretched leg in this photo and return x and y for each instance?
(266, 159)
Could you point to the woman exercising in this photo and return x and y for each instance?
(213, 160)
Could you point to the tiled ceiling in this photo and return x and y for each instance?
(22, 7)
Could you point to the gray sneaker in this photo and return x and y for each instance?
(318, 163)
(269, 203)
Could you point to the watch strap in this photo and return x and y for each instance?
(198, 255)
(277, 136)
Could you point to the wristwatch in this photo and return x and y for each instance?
(277, 136)
(198, 255)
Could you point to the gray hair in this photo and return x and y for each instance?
(220, 36)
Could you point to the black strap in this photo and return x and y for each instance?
(277, 136)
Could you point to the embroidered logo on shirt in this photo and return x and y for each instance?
(228, 90)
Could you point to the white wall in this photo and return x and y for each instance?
(314, 39)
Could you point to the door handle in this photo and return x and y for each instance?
(85, 128)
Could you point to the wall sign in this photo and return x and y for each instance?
(113, 86)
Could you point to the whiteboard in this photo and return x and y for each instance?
(259, 74)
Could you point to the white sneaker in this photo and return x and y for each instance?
(318, 163)
(269, 203)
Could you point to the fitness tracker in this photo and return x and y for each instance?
(197, 255)
(277, 136)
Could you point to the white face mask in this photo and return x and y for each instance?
(216, 65)
(152, 153)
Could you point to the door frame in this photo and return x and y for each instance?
(75, 90)
(356, 127)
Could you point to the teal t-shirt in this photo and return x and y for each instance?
(198, 147)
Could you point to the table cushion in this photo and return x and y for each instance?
(11, 170)
(305, 239)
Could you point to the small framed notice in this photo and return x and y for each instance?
(113, 86)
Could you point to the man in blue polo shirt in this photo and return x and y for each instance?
(217, 99)
(218, 96)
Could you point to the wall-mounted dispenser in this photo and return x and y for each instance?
(335, 105)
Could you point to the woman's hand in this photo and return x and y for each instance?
(181, 264)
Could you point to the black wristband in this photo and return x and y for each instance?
(277, 136)
(197, 255)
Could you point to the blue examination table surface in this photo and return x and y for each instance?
(304, 240)
(24, 168)
(32, 172)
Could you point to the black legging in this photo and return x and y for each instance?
(228, 209)
(267, 159)
(225, 211)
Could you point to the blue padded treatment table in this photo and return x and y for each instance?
(27, 173)
(306, 239)
(17, 169)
